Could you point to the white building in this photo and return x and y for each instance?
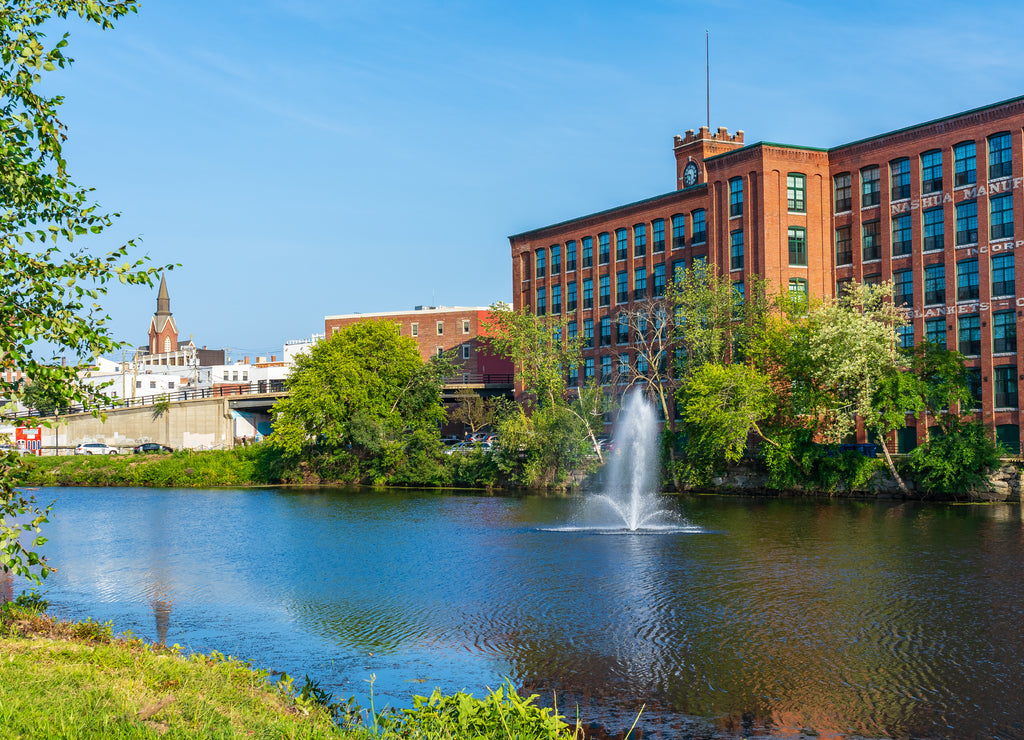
(295, 347)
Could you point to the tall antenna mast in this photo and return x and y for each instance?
(707, 70)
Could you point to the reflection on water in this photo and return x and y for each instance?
(755, 617)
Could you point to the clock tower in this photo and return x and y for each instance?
(692, 149)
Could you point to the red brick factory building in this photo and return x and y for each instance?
(932, 207)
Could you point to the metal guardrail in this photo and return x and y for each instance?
(252, 388)
(480, 379)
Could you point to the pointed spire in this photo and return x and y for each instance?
(163, 300)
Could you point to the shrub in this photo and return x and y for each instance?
(474, 468)
(501, 714)
(422, 463)
(821, 467)
(956, 461)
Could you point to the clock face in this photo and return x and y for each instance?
(690, 174)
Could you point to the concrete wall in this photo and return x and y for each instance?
(199, 424)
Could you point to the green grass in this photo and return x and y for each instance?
(76, 681)
(245, 466)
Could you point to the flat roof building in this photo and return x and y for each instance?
(437, 329)
(932, 207)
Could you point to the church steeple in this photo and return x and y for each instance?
(163, 332)
(163, 299)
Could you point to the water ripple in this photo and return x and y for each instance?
(845, 618)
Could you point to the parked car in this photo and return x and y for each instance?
(470, 447)
(150, 447)
(13, 448)
(95, 448)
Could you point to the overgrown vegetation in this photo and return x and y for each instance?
(956, 459)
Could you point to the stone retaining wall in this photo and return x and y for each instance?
(1004, 484)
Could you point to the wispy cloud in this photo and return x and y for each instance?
(246, 84)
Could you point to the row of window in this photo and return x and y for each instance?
(466, 351)
(932, 230)
(965, 163)
(965, 173)
(414, 328)
(624, 368)
(796, 194)
(604, 330)
(967, 283)
(1004, 387)
(797, 248)
(170, 384)
(1007, 435)
(1003, 333)
(698, 235)
(623, 294)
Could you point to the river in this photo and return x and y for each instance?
(764, 617)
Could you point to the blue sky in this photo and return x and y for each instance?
(301, 158)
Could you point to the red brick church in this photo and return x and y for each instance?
(164, 347)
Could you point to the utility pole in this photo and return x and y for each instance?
(135, 373)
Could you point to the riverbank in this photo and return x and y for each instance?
(253, 465)
(260, 465)
(75, 680)
(244, 466)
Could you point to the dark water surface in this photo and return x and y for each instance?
(768, 617)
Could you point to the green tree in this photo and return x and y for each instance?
(537, 346)
(545, 447)
(41, 399)
(553, 440)
(956, 455)
(357, 396)
(942, 384)
(853, 353)
(721, 405)
(474, 411)
(722, 395)
(51, 287)
(714, 322)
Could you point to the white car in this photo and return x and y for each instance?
(95, 448)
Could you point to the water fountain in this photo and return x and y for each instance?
(629, 500)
